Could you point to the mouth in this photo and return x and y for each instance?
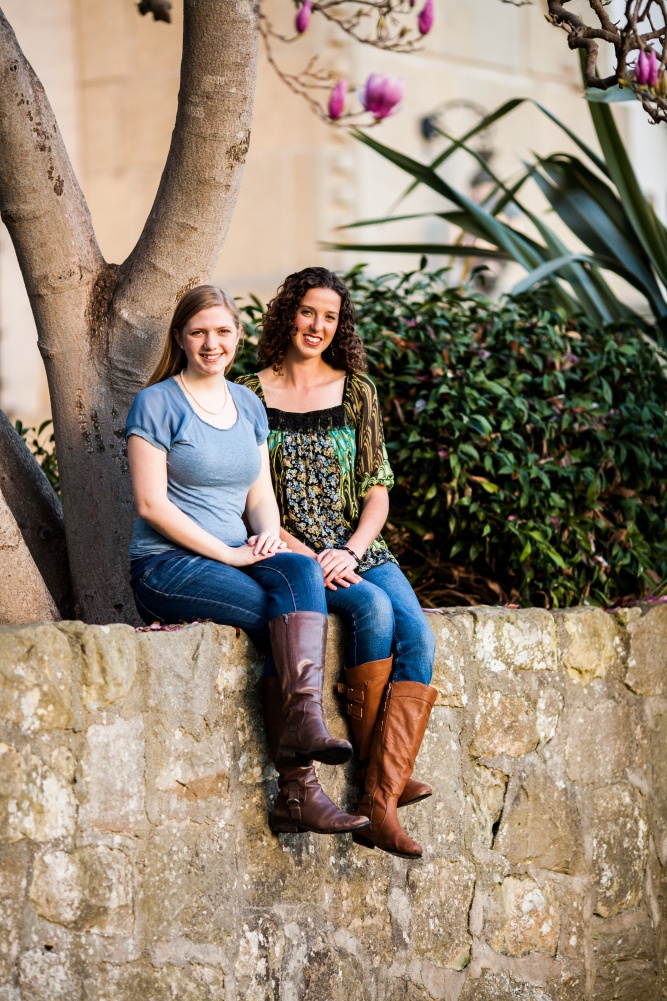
(311, 340)
(210, 359)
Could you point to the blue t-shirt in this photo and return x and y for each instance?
(209, 470)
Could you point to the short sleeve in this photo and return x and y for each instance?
(372, 464)
(149, 418)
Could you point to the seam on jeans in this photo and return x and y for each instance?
(281, 574)
(220, 604)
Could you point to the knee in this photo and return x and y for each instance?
(378, 612)
(308, 569)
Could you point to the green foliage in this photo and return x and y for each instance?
(41, 443)
(598, 199)
(527, 450)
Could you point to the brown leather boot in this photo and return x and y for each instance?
(364, 690)
(298, 641)
(398, 735)
(301, 804)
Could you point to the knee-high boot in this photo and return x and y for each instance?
(398, 735)
(298, 641)
(301, 804)
(363, 689)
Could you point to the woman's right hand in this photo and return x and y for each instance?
(244, 556)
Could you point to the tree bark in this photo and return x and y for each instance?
(101, 327)
(37, 512)
(24, 597)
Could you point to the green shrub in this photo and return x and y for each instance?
(529, 450)
(41, 442)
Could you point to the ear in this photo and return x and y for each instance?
(177, 338)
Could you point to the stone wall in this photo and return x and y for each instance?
(136, 863)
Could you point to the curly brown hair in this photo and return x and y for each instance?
(345, 351)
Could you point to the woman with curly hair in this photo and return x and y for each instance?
(331, 476)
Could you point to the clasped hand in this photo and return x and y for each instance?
(339, 566)
(257, 548)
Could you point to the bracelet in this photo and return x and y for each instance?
(351, 552)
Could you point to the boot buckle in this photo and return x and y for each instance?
(355, 711)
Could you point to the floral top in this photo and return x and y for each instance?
(323, 463)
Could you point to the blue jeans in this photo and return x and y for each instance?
(383, 616)
(193, 587)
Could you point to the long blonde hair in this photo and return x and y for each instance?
(173, 358)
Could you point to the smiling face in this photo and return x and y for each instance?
(316, 322)
(209, 340)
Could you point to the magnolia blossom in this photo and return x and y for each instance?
(337, 99)
(303, 16)
(652, 69)
(382, 95)
(641, 68)
(425, 18)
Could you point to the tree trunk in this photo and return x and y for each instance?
(37, 512)
(101, 327)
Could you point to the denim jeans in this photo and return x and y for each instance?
(383, 616)
(193, 587)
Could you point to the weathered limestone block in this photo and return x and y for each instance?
(109, 665)
(619, 835)
(90, 888)
(504, 724)
(658, 798)
(550, 705)
(540, 826)
(488, 797)
(13, 885)
(506, 640)
(49, 975)
(626, 961)
(590, 643)
(598, 747)
(142, 982)
(501, 986)
(441, 935)
(646, 672)
(523, 917)
(35, 678)
(113, 777)
(452, 633)
(35, 802)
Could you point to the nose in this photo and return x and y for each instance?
(210, 341)
(317, 323)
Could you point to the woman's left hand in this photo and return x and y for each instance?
(335, 562)
(266, 543)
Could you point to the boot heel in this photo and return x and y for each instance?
(359, 839)
(285, 827)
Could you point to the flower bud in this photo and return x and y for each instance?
(382, 95)
(303, 16)
(337, 99)
(425, 18)
(652, 69)
(641, 68)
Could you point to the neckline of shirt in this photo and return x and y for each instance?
(199, 417)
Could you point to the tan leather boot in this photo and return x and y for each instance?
(298, 641)
(364, 688)
(301, 804)
(398, 735)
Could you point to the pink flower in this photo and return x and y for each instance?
(337, 99)
(425, 18)
(652, 69)
(303, 16)
(641, 68)
(382, 95)
(511, 517)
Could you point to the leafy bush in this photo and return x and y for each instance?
(529, 450)
(41, 442)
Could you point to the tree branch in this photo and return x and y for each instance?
(188, 222)
(37, 512)
(40, 200)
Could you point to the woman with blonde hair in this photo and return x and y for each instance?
(331, 475)
(200, 471)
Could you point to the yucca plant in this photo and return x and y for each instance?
(598, 198)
